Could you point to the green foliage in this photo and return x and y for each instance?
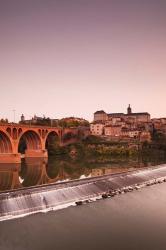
(92, 139)
(55, 149)
(113, 150)
(44, 122)
(68, 123)
(4, 121)
(69, 136)
(159, 141)
(159, 137)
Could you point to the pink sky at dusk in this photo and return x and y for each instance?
(73, 57)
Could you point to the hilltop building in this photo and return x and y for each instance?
(102, 116)
(66, 122)
(129, 110)
(159, 124)
(34, 120)
(97, 128)
(112, 130)
(37, 120)
(114, 125)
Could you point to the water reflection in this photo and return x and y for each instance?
(39, 171)
(9, 176)
(33, 172)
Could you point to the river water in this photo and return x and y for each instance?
(135, 221)
(38, 171)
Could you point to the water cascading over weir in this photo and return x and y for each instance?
(54, 196)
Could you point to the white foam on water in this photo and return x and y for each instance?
(21, 180)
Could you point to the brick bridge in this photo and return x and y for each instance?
(36, 138)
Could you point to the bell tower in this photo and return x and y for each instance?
(129, 110)
(22, 118)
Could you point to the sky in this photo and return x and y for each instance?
(62, 58)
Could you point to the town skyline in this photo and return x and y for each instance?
(17, 117)
(70, 58)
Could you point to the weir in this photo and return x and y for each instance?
(26, 201)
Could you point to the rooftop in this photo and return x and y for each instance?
(139, 113)
(113, 126)
(100, 112)
(116, 114)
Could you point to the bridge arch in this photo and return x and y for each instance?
(29, 140)
(52, 140)
(9, 131)
(15, 133)
(19, 131)
(5, 143)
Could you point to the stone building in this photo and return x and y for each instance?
(33, 120)
(138, 117)
(100, 116)
(130, 116)
(112, 130)
(37, 120)
(130, 133)
(159, 125)
(118, 116)
(97, 128)
(145, 136)
(129, 125)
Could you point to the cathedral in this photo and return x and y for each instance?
(102, 116)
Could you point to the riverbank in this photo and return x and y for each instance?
(94, 146)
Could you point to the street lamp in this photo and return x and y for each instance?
(30, 121)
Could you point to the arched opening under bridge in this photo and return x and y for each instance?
(29, 140)
(5, 144)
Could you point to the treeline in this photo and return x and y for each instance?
(158, 142)
(4, 121)
(75, 123)
(94, 146)
(64, 123)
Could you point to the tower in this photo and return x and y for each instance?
(129, 110)
(22, 118)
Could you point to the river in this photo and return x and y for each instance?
(38, 171)
(133, 221)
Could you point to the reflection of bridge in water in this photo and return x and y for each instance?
(9, 176)
(40, 171)
(35, 138)
(33, 172)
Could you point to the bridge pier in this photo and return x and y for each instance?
(36, 153)
(16, 157)
(10, 158)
